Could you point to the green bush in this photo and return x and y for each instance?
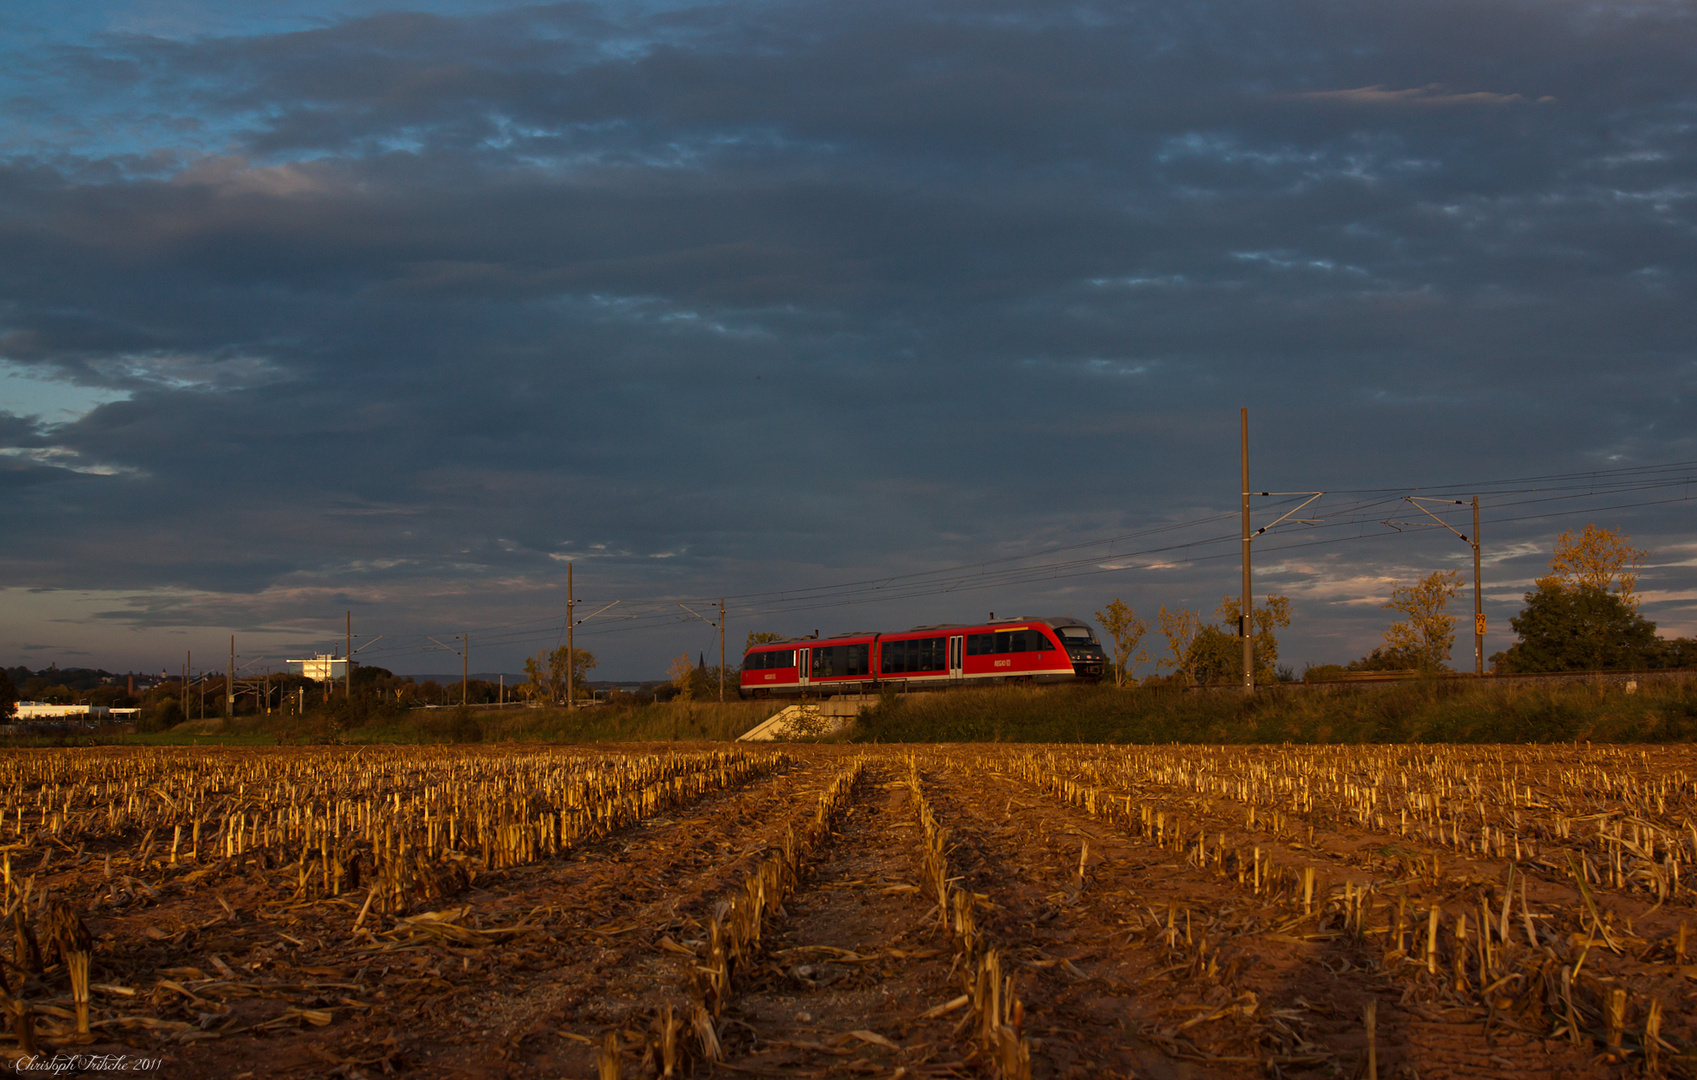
(464, 726)
(162, 715)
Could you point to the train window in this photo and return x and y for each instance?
(892, 658)
(1006, 641)
(762, 660)
(931, 655)
(840, 661)
(825, 661)
(904, 657)
(1079, 635)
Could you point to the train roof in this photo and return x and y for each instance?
(1046, 620)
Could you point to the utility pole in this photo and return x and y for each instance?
(571, 638)
(718, 625)
(188, 658)
(230, 681)
(1247, 623)
(1473, 542)
(348, 667)
(1478, 600)
(465, 663)
(1246, 627)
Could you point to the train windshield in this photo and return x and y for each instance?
(1076, 635)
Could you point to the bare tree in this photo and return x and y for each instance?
(1180, 629)
(1428, 632)
(545, 673)
(682, 674)
(1127, 630)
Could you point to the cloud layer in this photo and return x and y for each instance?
(397, 312)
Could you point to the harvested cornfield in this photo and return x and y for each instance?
(984, 910)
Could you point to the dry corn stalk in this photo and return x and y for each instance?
(71, 940)
(706, 1035)
(733, 935)
(607, 1064)
(671, 1050)
(27, 955)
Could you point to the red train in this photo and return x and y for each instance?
(1033, 650)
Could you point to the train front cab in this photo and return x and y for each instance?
(1029, 652)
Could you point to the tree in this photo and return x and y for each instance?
(1271, 615)
(1599, 559)
(162, 715)
(537, 682)
(1216, 657)
(682, 675)
(1180, 628)
(1579, 628)
(545, 673)
(1680, 652)
(1428, 632)
(1385, 659)
(1127, 630)
(8, 697)
(761, 637)
(583, 662)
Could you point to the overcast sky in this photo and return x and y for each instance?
(398, 308)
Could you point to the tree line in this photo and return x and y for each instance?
(1582, 615)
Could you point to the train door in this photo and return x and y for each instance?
(955, 644)
(804, 666)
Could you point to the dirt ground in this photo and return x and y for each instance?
(1131, 952)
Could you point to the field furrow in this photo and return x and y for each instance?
(838, 911)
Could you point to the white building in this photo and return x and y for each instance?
(321, 667)
(40, 710)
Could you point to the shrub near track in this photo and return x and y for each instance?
(1423, 712)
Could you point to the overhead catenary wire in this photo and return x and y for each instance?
(1359, 509)
(1073, 571)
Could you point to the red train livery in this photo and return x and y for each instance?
(1036, 650)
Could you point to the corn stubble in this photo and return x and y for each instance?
(1597, 827)
(1540, 890)
(995, 1011)
(394, 829)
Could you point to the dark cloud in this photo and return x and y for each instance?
(409, 308)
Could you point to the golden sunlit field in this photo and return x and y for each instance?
(847, 911)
